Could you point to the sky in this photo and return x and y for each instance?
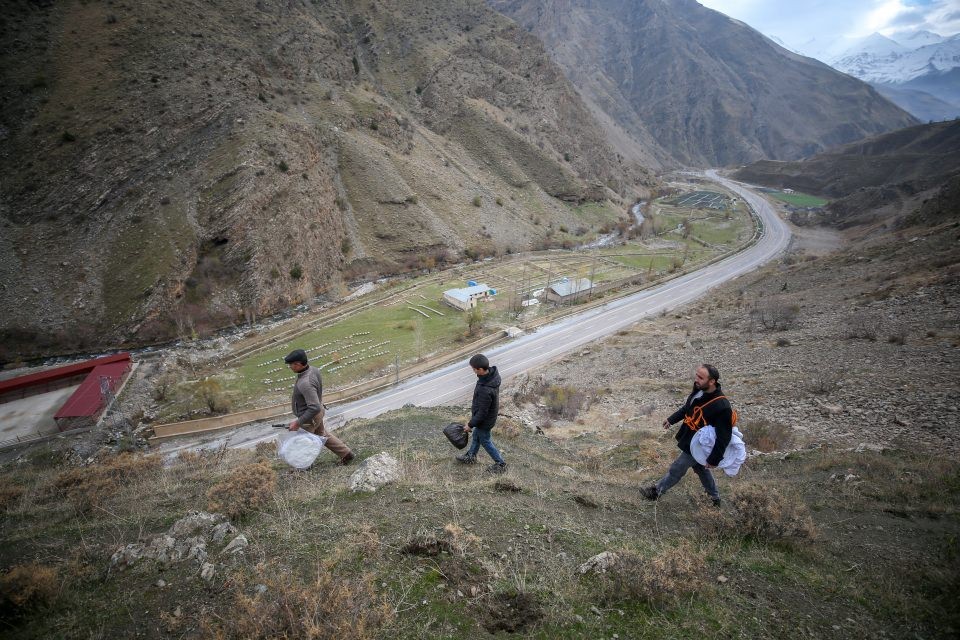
(797, 22)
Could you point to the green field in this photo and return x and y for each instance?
(799, 199)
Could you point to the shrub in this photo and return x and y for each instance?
(767, 436)
(671, 573)
(27, 586)
(764, 514)
(499, 201)
(283, 166)
(296, 272)
(211, 393)
(774, 315)
(476, 201)
(564, 402)
(249, 487)
(329, 605)
(66, 136)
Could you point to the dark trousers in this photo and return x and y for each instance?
(679, 468)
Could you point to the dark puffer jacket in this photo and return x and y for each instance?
(719, 414)
(486, 401)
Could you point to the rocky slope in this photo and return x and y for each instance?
(175, 166)
(710, 90)
(883, 177)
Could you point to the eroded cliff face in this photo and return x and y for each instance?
(180, 165)
(707, 89)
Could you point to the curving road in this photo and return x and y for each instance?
(454, 383)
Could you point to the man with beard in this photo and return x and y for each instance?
(705, 405)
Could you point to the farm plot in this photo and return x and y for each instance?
(701, 200)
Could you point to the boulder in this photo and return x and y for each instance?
(193, 522)
(599, 563)
(375, 472)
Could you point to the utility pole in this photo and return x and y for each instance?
(593, 272)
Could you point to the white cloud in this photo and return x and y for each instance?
(799, 22)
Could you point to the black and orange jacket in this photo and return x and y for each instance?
(702, 409)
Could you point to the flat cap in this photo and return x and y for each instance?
(297, 355)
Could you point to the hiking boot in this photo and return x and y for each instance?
(347, 459)
(715, 502)
(497, 467)
(467, 459)
(650, 493)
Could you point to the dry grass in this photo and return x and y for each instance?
(672, 572)
(26, 587)
(762, 513)
(329, 605)
(247, 488)
(91, 486)
(9, 494)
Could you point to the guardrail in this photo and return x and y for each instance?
(240, 418)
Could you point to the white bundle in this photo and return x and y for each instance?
(300, 448)
(733, 456)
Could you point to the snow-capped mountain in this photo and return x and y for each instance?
(881, 59)
(919, 70)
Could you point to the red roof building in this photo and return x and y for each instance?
(98, 379)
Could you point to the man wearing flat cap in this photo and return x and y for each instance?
(308, 405)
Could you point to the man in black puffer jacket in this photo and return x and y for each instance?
(705, 405)
(483, 413)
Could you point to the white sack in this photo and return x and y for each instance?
(300, 448)
(733, 456)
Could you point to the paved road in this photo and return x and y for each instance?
(454, 384)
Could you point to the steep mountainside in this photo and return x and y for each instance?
(709, 89)
(884, 176)
(181, 164)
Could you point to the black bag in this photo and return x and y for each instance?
(456, 435)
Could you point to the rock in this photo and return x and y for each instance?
(237, 545)
(161, 583)
(869, 446)
(850, 477)
(177, 612)
(207, 572)
(164, 550)
(193, 522)
(260, 588)
(722, 579)
(568, 471)
(222, 530)
(127, 556)
(375, 472)
(193, 548)
(598, 563)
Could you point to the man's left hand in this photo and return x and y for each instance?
(710, 466)
(294, 425)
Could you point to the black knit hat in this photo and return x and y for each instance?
(298, 355)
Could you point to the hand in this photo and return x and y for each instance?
(466, 428)
(666, 424)
(294, 425)
(710, 466)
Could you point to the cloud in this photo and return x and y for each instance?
(907, 19)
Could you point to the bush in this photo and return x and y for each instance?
(283, 166)
(764, 514)
(476, 201)
(564, 402)
(296, 272)
(249, 487)
(329, 605)
(774, 315)
(211, 393)
(767, 436)
(671, 573)
(27, 586)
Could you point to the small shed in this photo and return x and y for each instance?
(567, 290)
(466, 298)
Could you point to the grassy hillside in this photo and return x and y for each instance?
(450, 552)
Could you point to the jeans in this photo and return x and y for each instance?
(679, 468)
(482, 437)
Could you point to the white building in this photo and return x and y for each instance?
(567, 290)
(467, 298)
